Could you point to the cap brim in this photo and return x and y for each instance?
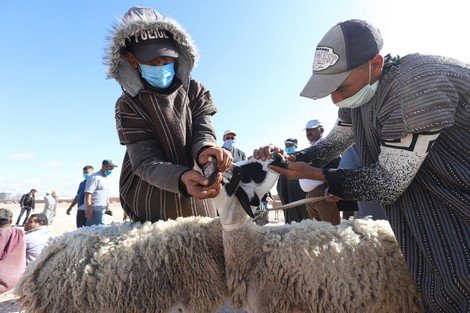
(147, 53)
(322, 85)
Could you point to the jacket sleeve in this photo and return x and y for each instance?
(202, 108)
(148, 162)
(384, 181)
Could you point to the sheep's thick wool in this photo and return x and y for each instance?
(129, 268)
(313, 266)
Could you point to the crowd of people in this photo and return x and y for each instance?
(20, 247)
(398, 150)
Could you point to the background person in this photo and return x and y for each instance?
(163, 118)
(79, 199)
(97, 194)
(49, 206)
(37, 234)
(229, 139)
(27, 203)
(290, 191)
(325, 211)
(12, 252)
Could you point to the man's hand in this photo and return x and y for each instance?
(299, 170)
(266, 152)
(89, 211)
(196, 185)
(223, 157)
(68, 211)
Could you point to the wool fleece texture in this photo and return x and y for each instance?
(313, 266)
(129, 267)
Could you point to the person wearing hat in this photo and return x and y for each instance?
(50, 205)
(229, 144)
(409, 118)
(97, 194)
(314, 131)
(163, 118)
(290, 191)
(79, 199)
(27, 204)
(12, 252)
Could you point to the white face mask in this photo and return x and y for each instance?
(361, 97)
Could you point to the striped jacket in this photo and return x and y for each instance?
(414, 139)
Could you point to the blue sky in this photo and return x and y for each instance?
(57, 106)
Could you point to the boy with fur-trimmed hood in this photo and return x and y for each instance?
(164, 119)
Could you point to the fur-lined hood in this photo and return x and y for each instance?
(133, 22)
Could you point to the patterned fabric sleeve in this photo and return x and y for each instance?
(385, 181)
(130, 125)
(423, 96)
(202, 108)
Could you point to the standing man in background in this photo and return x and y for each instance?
(229, 144)
(289, 190)
(27, 203)
(79, 199)
(49, 207)
(97, 194)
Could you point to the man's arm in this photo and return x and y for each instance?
(75, 200)
(384, 181)
(89, 208)
(148, 162)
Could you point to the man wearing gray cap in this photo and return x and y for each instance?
(409, 118)
(97, 194)
(163, 118)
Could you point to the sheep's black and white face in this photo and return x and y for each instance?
(247, 181)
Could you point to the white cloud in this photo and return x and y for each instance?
(22, 156)
(52, 164)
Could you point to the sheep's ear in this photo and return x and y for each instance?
(253, 172)
(244, 201)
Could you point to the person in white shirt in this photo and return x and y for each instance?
(49, 207)
(37, 235)
(97, 194)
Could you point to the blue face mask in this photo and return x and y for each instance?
(85, 175)
(158, 76)
(289, 150)
(108, 172)
(229, 144)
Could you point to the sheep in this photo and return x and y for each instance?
(179, 266)
(310, 266)
(168, 266)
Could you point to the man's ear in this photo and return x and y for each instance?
(131, 59)
(376, 65)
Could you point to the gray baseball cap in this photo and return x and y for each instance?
(344, 47)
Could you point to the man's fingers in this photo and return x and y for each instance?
(278, 169)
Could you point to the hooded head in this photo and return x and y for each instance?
(138, 22)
